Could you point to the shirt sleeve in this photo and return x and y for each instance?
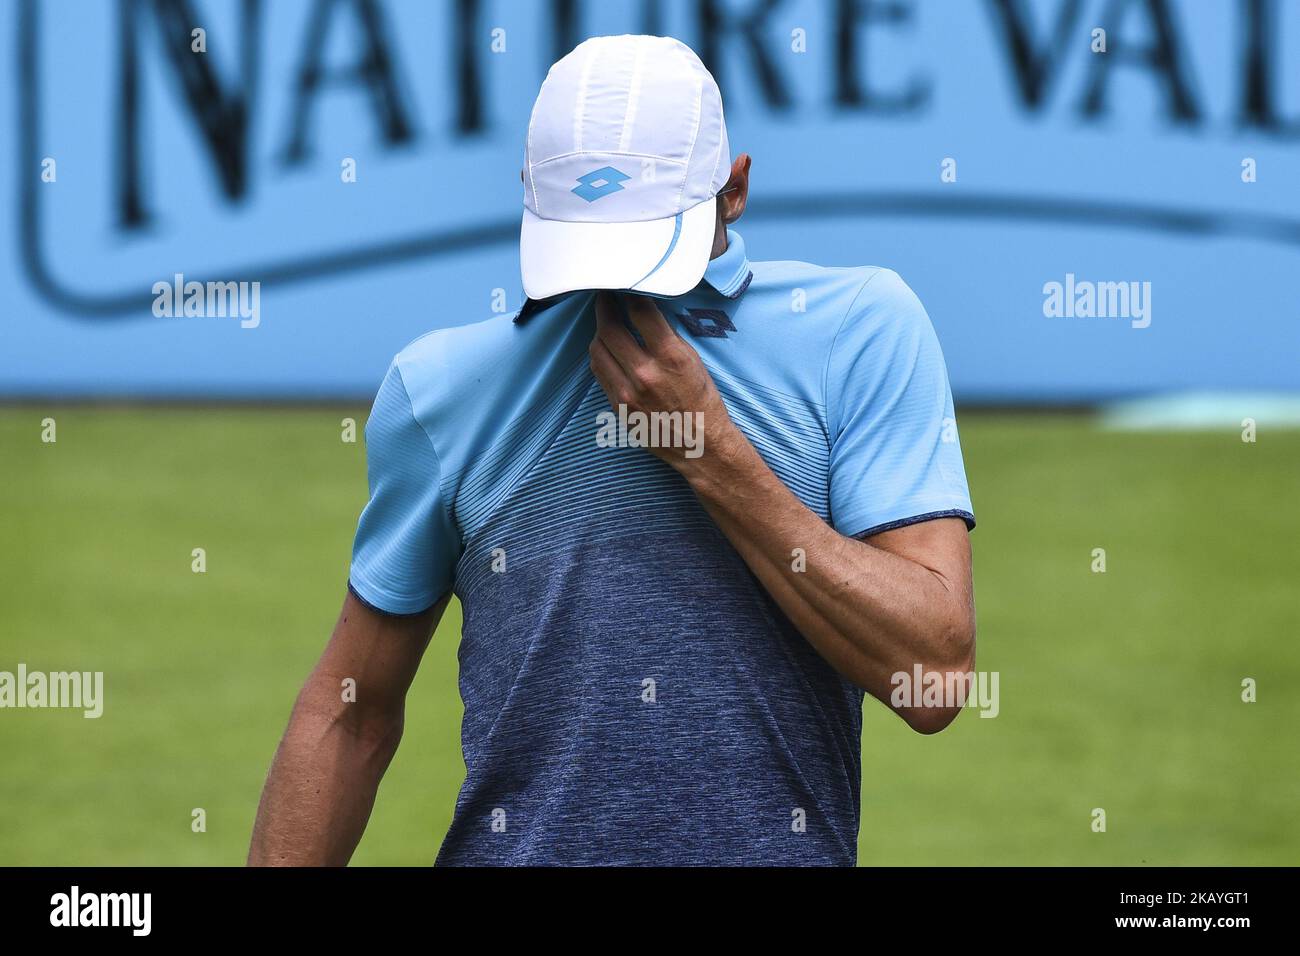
(406, 546)
(895, 456)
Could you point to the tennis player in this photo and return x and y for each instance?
(693, 505)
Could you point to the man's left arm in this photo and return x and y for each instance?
(872, 608)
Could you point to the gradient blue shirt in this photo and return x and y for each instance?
(632, 694)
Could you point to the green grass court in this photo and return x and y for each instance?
(1119, 690)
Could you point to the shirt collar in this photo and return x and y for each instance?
(729, 275)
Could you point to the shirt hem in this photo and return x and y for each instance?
(965, 516)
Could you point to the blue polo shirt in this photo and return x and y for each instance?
(632, 694)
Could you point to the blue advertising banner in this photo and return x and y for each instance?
(1093, 198)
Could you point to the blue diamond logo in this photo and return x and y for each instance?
(600, 182)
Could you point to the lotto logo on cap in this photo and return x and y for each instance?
(626, 152)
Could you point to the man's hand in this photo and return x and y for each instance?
(666, 375)
(873, 609)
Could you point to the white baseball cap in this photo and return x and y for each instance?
(627, 150)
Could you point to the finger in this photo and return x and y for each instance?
(649, 321)
(614, 334)
(609, 373)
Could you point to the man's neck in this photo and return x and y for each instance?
(719, 242)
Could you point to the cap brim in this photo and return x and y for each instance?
(659, 257)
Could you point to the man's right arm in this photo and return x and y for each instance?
(326, 772)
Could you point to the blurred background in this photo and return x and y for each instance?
(359, 159)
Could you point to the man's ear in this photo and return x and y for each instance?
(734, 195)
